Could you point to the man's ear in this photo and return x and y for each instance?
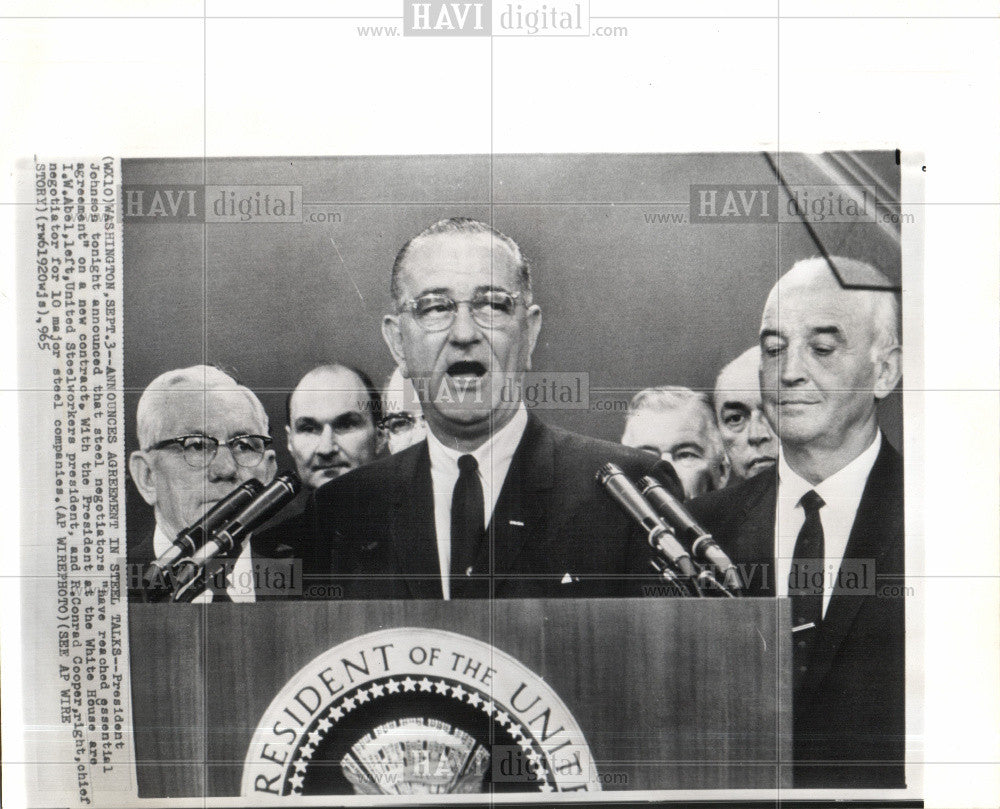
(888, 370)
(143, 476)
(393, 337)
(534, 318)
(288, 437)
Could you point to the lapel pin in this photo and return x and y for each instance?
(518, 523)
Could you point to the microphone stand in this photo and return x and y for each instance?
(193, 581)
(673, 581)
(160, 577)
(688, 584)
(191, 574)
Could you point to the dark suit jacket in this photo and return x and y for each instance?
(551, 519)
(292, 535)
(849, 723)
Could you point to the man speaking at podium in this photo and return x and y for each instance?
(493, 503)
(825, 527)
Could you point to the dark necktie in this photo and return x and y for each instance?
(806, 584)
(467, 532)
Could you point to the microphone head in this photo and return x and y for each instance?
(291, 480)
(646, 483)
(607, 471)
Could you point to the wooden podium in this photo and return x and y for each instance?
(669, 693)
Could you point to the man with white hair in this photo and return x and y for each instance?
(201, 434)
(403, 421)
(751, 444)
(678, 425)
(825, 526)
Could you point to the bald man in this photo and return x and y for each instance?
(333, 417)
(824, 528)
(332, 428)
(749, 440)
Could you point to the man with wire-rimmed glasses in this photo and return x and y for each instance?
(201, 434)
(493, 503)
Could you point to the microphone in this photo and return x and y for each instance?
(702, 544)
(194, 536)
(268, 502)
(612, 478)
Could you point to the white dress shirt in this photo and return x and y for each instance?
(241, 571)
(494, 459)
(841, 493)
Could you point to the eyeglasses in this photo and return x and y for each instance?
(491, 309)
(200, 450)
(396, 423)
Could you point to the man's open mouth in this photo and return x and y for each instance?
(466, 370)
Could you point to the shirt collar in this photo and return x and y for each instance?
(496, 452)
(161, 540)
(850, 478)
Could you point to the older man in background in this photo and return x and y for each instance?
(825, 526)
(677, 424)
(201, 434)
(749, 440)
(403, 421)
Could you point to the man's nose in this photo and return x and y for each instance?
(327, 441)
(758, 431)
(223, 465)
(465, 329)
(793, 369)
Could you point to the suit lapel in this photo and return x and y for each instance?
(869, 539)
(414, 536)
(520, 515)
(753, 533)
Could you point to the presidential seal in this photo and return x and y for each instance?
(416, 712)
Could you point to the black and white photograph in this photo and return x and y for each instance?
(661, 450)
(565, 403)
